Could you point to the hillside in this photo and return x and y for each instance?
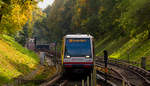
(14, 59)
(125, 48)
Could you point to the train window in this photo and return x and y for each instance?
(78, 47)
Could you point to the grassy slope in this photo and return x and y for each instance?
(124, 47)
(14, 59)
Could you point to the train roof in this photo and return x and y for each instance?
(78, 36)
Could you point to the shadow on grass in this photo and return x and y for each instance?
(111, 45)
(3, 79)
(23, 68)
(11, 42)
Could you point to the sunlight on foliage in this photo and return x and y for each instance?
(14, 59)
(15, 14)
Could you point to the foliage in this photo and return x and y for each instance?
(117, 25)
(136, 18)
(14, 14)
(27, 31)
(56, 22)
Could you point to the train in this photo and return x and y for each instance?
(77, 52)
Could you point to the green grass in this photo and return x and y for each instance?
(29, 84)
(46, 73)
(14, 59)
(124, 47)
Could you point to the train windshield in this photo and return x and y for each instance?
(78, 47)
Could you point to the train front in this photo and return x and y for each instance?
(78, 52)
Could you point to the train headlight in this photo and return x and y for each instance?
(68, 56)
(87, 56)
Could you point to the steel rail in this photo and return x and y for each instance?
(136, 70)
(64, 83)
(122, 77)
(51, 82)
(98, 76)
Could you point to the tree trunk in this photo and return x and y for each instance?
(148, 34)
(0, 17)
(1, 13)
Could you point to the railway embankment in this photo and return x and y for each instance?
(131, 49)
(36, 77)
(15, 60)
(18, 64)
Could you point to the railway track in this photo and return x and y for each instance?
(60, 79)
(121, 73)
(115, 78)
(131, 75)
(101, 81)
(65, 80)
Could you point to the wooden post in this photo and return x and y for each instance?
(35, 41)
(42, 58)
(94, 76)
(123, 83)
(88, 83)
(143, 62)
(128, 58)
(82, 82)
(91, 79)
(106, 61)
(55, 52)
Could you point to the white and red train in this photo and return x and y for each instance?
(78, 52)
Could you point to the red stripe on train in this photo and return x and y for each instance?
(78, 62)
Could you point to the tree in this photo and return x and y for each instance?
(14, 15)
